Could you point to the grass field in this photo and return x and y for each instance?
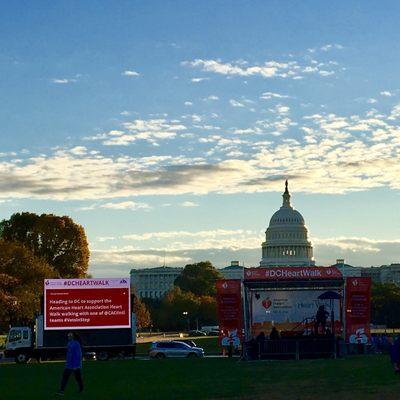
(355, 378)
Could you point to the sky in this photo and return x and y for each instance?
(167, 128)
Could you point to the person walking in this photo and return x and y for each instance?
(395, 355)
(73, 363)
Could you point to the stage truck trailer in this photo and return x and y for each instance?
(43, 343)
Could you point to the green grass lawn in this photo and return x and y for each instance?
(358, 377)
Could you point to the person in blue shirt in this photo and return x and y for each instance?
(395, 354)
(73, 363)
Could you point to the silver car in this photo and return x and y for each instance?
(174, 349)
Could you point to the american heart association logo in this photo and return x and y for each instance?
(266, 303)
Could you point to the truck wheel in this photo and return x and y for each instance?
(22, 358)
(160, 356)
(103, 356)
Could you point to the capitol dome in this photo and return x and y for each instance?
(286, 238)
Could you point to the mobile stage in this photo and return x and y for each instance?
(292, 312)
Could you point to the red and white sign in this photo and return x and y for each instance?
(291, 273)
(358, 310)
(87, 303)
(229, 308)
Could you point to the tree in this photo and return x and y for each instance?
(58, 240)
(385, 304)
(143, 319)
(21, 283)
(199, 279)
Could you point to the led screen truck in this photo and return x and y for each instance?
(98, 310)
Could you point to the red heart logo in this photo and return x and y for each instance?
(266, 303)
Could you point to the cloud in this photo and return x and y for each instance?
(130, 73)
(197, 80)
(189, 204)
(271, 95)
(123, 205)
(188, 103)
(212, 97)
(269, 69)
(341, 153)
(63, 81)
(328, 47)
(386, 93)
(235, 103)
(151, 130)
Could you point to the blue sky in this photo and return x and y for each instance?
(169, 127)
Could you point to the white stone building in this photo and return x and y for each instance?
(153, 283)
(233, 271)
(286, 238)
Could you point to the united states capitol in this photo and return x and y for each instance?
(286, 243)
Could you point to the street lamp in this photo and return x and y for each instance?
(186, 314)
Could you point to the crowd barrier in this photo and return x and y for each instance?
(291, 349)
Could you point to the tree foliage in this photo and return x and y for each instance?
(385, 304)
(168, 312)
(198, 279)
(143, 319)
(59, 241)
(21, 283)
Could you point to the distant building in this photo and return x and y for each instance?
(347, 269)
(372, 272)
(153, 283)
(383, 274)
(233, 271)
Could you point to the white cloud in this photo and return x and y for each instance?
(211, 98)
(130, 73)
(63, 81)
(150, 130)
(269, 69)
(189, 204)
(188, 103)
(386, 93)
(271, 95)
(197, 80)
(122, 205)
(235, 103)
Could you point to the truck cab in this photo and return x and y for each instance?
(19, 344)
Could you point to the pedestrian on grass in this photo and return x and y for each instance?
(73, 363)
(395, 355)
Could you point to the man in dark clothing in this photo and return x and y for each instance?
(274, 335)
(73, 363)
(320, 319)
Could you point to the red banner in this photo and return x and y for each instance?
(87, 303)
(358, 310)
(229, 309)
(291, 273)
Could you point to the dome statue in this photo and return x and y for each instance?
(286, 238)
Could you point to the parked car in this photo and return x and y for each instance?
(174, 349)
(197, 333)
(213, 332)
(189, 342)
